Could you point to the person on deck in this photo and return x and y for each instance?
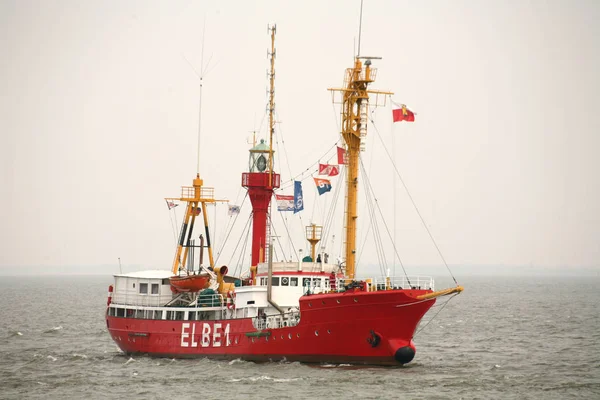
(319, 259)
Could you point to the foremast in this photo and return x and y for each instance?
(354, 113)
(196, 197)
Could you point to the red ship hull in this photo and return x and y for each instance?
(352, 327)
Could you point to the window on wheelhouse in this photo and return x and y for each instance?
(155, 288)
(275, 280)
(306, 282)
(143, 288)
(285, 281)
(293, 281)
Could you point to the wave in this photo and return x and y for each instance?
(264, 378)
(54, 329)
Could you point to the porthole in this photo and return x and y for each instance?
(297, 335)
(355, 300)
(328, 331)
(316, 333)
(289, 335)
(310, 304)
(338, 301)
(252, 340)
(274, 337)
(323, 301)
(281, 336)
(266, 338)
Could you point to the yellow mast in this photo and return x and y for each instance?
(195, 196)
(354, 110)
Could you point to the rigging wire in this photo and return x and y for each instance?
(435, 315)
(230, 230)
(413, 203)
(247, 231)
(173, 225)
(240, 261)
(234, 219)
(376, 235)
(329, 219)
(285, 224)
(295, 178)
(369, 187)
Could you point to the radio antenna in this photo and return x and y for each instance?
(359, 27)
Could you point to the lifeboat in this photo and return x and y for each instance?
(189, 283)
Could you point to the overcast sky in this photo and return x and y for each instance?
(99, 122)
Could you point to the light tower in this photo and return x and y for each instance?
(261, 180)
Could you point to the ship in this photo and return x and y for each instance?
(311, 310)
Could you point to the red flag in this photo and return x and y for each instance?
(342, 155)
(326, 169)
(401, 113)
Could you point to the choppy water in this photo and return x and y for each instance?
(509, 338)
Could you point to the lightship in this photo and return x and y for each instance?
(295, 311)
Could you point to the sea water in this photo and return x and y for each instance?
(503, 337)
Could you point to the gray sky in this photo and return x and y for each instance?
(99, 120)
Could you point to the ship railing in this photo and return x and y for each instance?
(276, 321)
(404, 282)
(371, 284)
(189, 192)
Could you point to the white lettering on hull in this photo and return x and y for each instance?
(218, 338)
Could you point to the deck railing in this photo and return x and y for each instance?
(372, 284)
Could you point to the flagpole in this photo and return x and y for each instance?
(394, 189)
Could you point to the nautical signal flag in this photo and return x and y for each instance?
(233, 210)
(401, 113)
(323, 185)
(342, 159)
(298, 198)
(284, 202)
(170, 204)
(327, 169)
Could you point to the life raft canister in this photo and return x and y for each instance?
(231, 300)
(110, 293)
